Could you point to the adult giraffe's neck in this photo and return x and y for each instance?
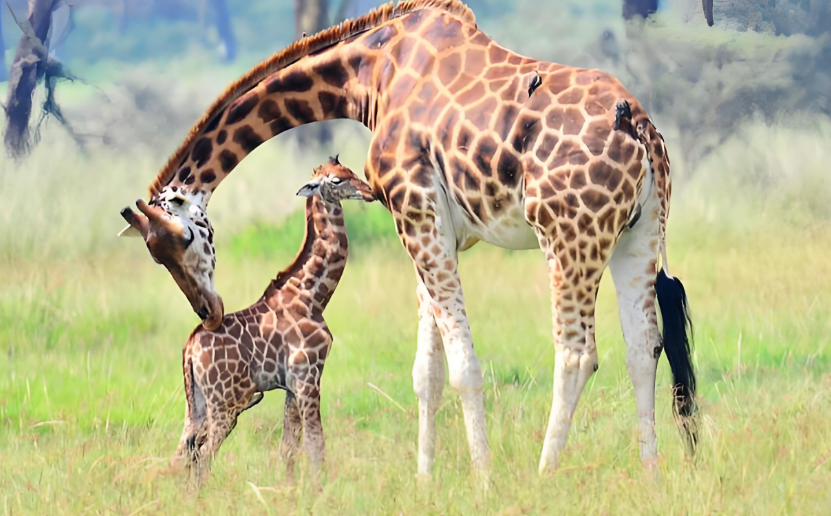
(335, 83)
(315, 272)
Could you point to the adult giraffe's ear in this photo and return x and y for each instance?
(129, 231)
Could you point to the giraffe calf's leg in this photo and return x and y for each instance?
(223, 408)
(308, 402)
(292, 425)
(182, 455)
(195, 423)
(221, 421)
(428, 380)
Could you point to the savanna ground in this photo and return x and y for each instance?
(91, 331)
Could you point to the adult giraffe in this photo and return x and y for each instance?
(471, 142)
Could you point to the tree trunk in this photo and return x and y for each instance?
(3, 72)
(311, 17)
(642, 8)
(708, 11)
(223, 27)
(28, 66)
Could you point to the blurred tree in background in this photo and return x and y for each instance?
(782, 17)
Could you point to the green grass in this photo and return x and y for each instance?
(91, 396)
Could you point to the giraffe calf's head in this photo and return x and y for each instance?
(179, 236)
(335, 183)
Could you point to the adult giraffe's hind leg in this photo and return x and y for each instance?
(633, 267)
(573, 295)
(428, 380)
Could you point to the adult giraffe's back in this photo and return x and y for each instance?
(470, 142)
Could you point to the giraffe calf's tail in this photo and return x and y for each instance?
(672, 299)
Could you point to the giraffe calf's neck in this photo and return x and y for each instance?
(279, 342)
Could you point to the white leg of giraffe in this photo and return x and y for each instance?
(633, 267)
(428, 380)
(432, 246)
(572, 306)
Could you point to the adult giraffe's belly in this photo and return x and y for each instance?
(509, 230)
(484, 209)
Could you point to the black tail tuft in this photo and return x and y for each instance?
(677, 339)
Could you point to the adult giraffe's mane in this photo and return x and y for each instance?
(294, 52)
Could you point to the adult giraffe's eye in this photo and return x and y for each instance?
(336, 180)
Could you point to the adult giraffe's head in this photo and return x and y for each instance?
(179, 236)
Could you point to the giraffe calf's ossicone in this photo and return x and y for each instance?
(279, 342)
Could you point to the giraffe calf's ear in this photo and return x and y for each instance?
(309, 189)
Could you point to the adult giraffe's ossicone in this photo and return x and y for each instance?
(470, 142)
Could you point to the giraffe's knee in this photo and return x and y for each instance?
(579, 360)
(465, 373)
(589, 363)
(428, 375)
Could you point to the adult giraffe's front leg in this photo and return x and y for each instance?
(426, 230)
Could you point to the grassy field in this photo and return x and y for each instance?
(91, 331)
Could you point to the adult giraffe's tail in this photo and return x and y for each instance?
(672, 299)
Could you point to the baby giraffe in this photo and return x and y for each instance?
(280, 342)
